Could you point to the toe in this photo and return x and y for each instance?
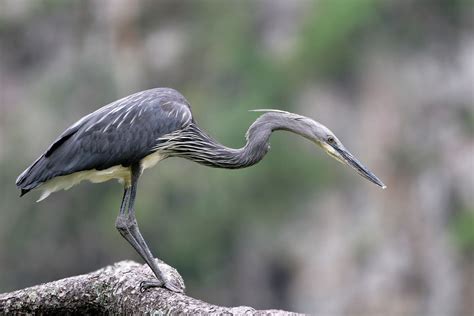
(145, 285)
(174, 285)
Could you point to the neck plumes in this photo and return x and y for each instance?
(194, 144)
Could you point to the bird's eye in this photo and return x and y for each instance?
(330, 140)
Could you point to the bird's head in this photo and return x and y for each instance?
(325, 138)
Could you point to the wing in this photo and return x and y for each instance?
(120, 133)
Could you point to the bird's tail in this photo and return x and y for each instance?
(32, 176)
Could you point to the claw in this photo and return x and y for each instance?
(170, 285)
(145, 285)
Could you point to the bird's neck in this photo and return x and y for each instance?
(194, 144)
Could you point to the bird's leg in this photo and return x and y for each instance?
(128, 227)
(121, 222)
(124, 223)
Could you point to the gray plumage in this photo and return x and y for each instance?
(120, 140)
(120, 133)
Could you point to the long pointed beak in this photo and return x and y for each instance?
(347, 158)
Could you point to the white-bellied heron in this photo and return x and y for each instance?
(120, 140)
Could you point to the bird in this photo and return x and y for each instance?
(122, 139)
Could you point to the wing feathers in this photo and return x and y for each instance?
(121, 133)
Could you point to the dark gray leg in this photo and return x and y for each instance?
(127, 226)
(121, 222)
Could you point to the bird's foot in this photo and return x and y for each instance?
(168, 278)
(173, 285)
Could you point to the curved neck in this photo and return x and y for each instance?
(194, 144)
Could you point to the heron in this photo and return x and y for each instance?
(124, 138)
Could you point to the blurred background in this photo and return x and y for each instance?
(393, 79)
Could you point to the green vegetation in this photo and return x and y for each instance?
(462, 230)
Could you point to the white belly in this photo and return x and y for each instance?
(122, 174)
